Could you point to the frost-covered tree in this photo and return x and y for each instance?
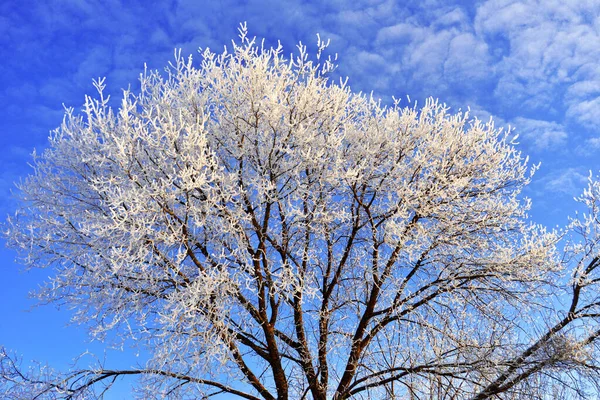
(267, 233)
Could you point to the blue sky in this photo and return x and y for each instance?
(534, 65)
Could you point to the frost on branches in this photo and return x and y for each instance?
(266, 233)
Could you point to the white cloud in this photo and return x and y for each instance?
(429, 53)
(541, 134)
(584, 88)
(437, 56)
(467, 59)
(569, 181)
(594, 143)
(399, 33)
(161, 39)
(97, 63)
(551, 46)
(498, 17)
(456, 17)
(439, 53)
(485, 115)
(586, 112)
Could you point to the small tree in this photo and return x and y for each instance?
(267, 233)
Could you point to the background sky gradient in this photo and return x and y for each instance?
(531, 64)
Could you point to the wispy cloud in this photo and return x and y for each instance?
(594, 143)
(551, 48)
(569, 181)
(440, 56)
(540, 134)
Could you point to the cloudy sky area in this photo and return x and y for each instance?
(533, 65)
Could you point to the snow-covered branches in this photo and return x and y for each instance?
(248, 219)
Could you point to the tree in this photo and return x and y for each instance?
(267, 233)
